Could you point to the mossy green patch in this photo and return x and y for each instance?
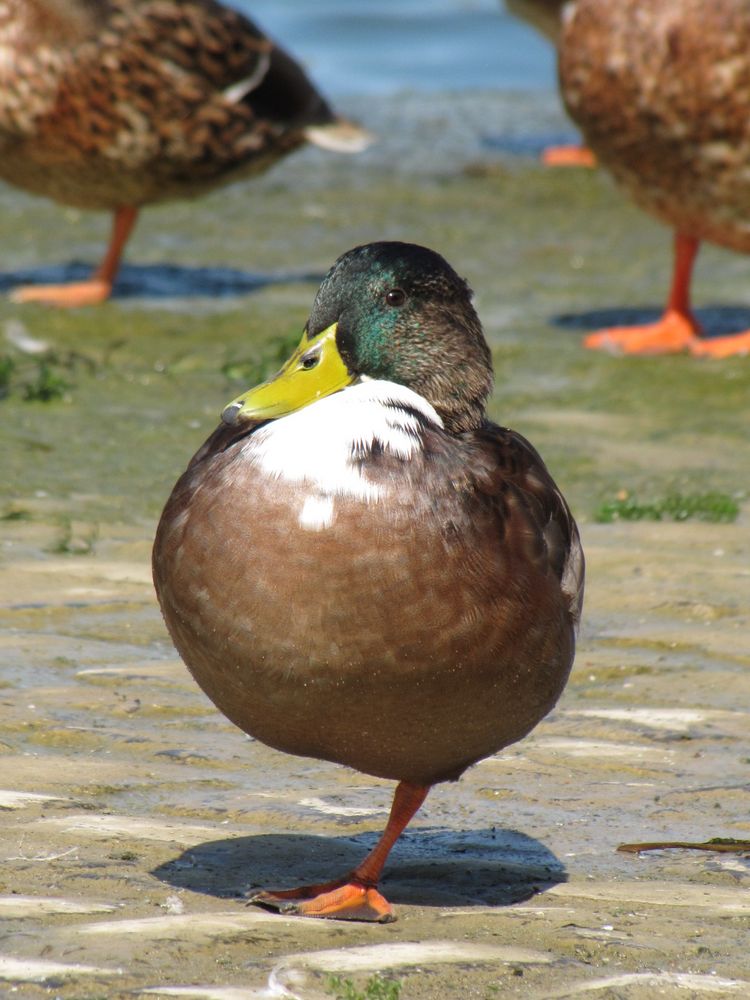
(376, 988)
(16, 514)
(46, 385)
(713, 507)
(7, 367)
(44, 379)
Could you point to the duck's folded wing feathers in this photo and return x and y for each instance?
(531, 509)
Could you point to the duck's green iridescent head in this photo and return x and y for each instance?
(392, 311)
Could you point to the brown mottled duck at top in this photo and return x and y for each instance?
(117, 104)
(359, 566)
(661, 91)
(545, 15)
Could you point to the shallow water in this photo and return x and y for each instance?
(133, 815)
(380, 49)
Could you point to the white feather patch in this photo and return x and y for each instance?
(322, 443)
(317, 513)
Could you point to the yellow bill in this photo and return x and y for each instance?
(316, 369)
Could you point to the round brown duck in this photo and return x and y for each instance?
(359, 566)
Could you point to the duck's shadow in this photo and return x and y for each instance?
(160, 281)
(715, 320)
(429, 867)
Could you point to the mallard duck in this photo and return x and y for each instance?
(544, 15)
(358, 566)
(117, 104)
(660, 90)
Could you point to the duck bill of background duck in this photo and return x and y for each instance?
(316, 369)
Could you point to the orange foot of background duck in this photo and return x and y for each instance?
(674, 332)
(568, 156)
(677, 330)
(98, 287)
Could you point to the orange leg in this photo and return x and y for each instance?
(354, 897)
(99, 286)
(568, 156)
(677, 330)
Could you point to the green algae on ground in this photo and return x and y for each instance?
(713, 507)
(37, 380)
(7, 367)
(376, 988)
(46, 385)
(16, 514)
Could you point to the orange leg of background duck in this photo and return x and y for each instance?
(354, 897)
(99, 286)
(677, 330)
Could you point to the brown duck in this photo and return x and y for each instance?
(117, 104)
(359, 566)
(660, 90)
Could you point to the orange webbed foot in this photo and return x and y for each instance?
(344, 899)
(673, 333)
(735, 345)
(568, 156)
(71, 296)
(353, 897)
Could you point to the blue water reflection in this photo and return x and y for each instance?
(359, 47)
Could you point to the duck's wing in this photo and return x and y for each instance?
(231, 57)
(532, 515)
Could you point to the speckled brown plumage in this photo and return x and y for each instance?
(116, 104)
(661, 90)
(142, 101)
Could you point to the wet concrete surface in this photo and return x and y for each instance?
(134, 817)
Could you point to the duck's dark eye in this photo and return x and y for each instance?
(310, 361)
(395, 297)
